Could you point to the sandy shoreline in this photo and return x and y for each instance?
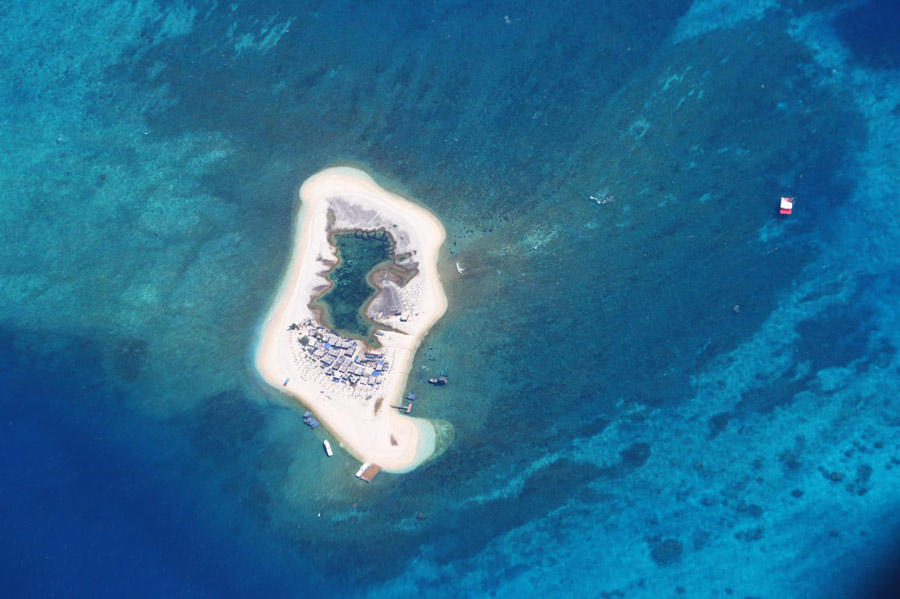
(394, 441)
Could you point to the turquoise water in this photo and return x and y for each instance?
(351, 290)
(608, 175)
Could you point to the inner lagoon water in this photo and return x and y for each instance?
(659, 387)
(344, 302)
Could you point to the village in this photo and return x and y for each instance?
(340, 360)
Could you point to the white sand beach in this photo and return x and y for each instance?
(359, 415)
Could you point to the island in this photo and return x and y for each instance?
(354, 387)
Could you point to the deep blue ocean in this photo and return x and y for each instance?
(660, 388)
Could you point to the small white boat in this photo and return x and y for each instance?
(459, 268)
(328, 451)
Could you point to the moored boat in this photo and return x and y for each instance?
(439, 381)
(327, 445)
(310, 420)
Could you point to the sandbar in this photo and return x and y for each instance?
(351, 389)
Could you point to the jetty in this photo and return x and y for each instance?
(367, 471)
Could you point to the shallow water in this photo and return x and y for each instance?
(608, 175)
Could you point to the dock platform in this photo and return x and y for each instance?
(367, 471)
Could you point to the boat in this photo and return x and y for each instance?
(439, 381)
(285, 382)
(787, 205)
(459, 268)
(310, 420)
(327, 445)
(412, 397)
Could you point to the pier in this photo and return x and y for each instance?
(367, 471)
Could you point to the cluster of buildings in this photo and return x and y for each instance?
(338, 356)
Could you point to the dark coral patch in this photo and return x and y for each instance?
(667, 552)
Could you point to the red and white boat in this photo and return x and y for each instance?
(787, 204)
